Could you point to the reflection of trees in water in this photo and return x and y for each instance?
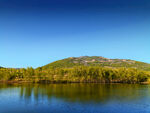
(80, 92)
(4, 87)
(84, 92)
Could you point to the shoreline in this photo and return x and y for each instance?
(67, 82)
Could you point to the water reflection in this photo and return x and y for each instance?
(83, 93)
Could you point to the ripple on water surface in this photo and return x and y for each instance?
(74, 98)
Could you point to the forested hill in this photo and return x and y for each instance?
(97, 61)
(81, 69)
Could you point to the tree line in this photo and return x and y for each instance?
(75, 74)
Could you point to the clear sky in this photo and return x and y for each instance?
(37, 32)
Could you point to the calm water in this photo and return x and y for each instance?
(74, 98)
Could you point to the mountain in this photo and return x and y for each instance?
(97, 61)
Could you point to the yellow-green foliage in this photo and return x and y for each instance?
(97, 61)
(76, 74)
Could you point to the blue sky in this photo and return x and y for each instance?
(37, 32)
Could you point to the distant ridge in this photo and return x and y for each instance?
(97, 61)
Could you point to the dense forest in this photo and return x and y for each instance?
(76, 74)
(82, 69)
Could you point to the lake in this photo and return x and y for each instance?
(74, 98)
